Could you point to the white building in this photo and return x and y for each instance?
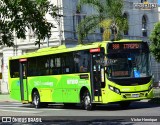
(141, 23)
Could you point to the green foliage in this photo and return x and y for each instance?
(18, 15)
(105, 24)
(155, 41)
(110, 10)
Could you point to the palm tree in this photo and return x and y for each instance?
(105, 25)
(109, 16)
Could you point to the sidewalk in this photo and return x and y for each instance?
(6, 98)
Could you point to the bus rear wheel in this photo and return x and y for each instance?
(36, 99)
(86, 101)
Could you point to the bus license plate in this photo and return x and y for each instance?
(135, 95)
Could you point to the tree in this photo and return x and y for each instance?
(109, 16)
(105, 24)
(18, 15)
(155, 41)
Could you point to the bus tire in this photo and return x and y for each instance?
(124, 104)
(87, 104)
(36, 99)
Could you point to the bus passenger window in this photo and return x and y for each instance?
(81, 61)
(85, 65)
(14, 68)
(76, 61)
(16, 74)
(67, 70)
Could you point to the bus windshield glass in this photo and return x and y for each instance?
(128, 65)
(128, 60)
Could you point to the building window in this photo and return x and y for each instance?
(101, 30)
(125, 15)
(77, 17)
(144, 26)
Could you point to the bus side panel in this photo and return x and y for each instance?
(71, 86)
(58, 88)
(45, 86)
(49, 87)
(15, 89)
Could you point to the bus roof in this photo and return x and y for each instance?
(68, 48)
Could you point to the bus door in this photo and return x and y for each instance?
(23, 79)
(96, 76)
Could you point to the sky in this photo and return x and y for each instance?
(158, 2)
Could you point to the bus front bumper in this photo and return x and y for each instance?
(115, 97)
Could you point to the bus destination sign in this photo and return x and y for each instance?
(116, 46)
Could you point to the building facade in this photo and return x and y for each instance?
(141, 22)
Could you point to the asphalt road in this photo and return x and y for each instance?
(140, 112)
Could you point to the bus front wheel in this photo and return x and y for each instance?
(87, 101)
(36, 99)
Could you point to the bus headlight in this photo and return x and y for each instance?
(114, 89)
(150, 87)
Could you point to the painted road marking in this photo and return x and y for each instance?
(16, 107)
(20, 111)
(17, 103)
(9, 105)
(21, 107)
(3, 107)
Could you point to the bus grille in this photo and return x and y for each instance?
(131, 95)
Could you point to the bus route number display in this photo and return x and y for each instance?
(126, 46)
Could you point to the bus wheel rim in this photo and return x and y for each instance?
(36, 100)
(87, 101)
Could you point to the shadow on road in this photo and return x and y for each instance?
(107, 107)
(88, 120)
(133, 105)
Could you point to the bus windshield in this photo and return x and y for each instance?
(128, 65)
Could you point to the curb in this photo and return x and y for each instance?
(6, 98)
(7, 101)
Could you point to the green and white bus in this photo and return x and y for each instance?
(97, 73)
